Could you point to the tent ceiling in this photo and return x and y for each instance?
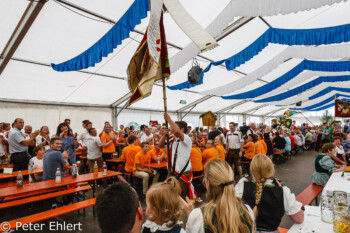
(59, 34)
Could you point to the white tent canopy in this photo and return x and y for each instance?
(62, 29)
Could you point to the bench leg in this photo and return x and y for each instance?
(93, 195)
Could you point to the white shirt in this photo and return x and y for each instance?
(37, 163)
(250, 131)
(154, 226)
(183, 153)
(195, 222)
(291, 205)
(83, 136)
(144, 137)
(340, 150)
(234, 139)
(2, 146)
(93, 145)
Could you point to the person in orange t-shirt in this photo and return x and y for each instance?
(121, 142)
(141, 168)
(129, 154)
(109, 140)
(196, 159)
(219, 145)
(249, 152)
(201, 141)
(260, 145)
(210, 153)
(249, 148)
(157, 154)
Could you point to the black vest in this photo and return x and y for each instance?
(318, 167)
(270, 208)
(176, 229)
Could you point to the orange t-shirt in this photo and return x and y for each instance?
(210, 154)
(128, 155)
(259, 148)
(196, 159)
(142, 159)
(203, 142)
(222, 151)
(121, 140)
(111, 147)
(249, 150)
(154, 154)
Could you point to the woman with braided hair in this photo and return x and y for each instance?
(269, 200)
(224, 213)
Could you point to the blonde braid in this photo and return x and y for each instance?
(259, 189)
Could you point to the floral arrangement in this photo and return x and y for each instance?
(209, 112)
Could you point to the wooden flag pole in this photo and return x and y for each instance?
(166, 123)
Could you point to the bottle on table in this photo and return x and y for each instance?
(95, 168)
(31, 166)
(104, 169)
(58, 176)
(19, 179)
(74, 171)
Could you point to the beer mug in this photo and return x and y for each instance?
(341, 221)
(327, 209)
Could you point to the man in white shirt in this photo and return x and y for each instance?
(93, 144)
(252, 129)
(234, 148)
(85, 134)
(180, 150)
(147, 134)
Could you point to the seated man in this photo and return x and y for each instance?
(118, 210)
(141, 168)
(54, 159)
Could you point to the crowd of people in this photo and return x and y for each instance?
(214, 153)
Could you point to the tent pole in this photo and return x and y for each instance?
(166, 123)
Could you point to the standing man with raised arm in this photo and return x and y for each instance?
(19, 145)
(180, 151)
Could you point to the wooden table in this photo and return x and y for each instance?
(2, 166)
(9, 191)
(156, 165)
(117, 160)
(24, 173)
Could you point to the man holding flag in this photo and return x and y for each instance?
(180, 150)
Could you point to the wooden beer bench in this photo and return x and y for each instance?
(53, 213)
(43, 197)
(309, 194)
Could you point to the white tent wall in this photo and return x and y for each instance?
(141, 117)
(38, 115)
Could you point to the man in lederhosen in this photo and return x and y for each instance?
(180, 150)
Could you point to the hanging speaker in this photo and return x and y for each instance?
(298, 104)
(194, 74)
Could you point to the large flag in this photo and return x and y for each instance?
(342, 108)
(143, 70)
